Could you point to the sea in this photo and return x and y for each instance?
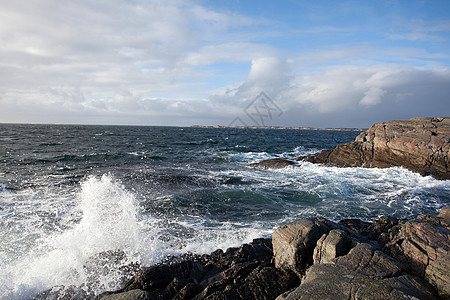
(82, 207)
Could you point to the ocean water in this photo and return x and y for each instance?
(79, 205)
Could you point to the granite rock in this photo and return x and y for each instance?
(421, 145)
(423, 245)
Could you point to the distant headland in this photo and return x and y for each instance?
(277, 127)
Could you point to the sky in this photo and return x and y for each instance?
(179, 63)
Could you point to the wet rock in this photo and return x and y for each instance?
(330, 281)
(261, 283)
(64, 293)
(336, 262)
(130, 295)
(160, 276)
(317, 158)
(274, 163)
(421, 145)
(112, 263)
(268, 283)
(246, 272)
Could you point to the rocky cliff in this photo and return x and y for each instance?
(421, 145)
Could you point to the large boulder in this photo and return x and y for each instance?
(294, 243)
(420, 144)
(331, 245)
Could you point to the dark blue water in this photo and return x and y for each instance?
(70, 192)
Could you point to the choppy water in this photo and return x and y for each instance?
(68, 193)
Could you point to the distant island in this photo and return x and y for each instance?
(278, 127)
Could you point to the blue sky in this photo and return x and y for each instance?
(151, 62)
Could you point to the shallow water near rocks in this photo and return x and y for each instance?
(71, 195)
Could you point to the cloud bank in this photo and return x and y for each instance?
(183, 63)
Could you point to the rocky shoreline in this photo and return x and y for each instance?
(316, 258)
(421, 145)
(311, 258)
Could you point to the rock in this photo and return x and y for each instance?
(437, 273)
(421, 145)
(331, 245)
(444, 214)
(273, 163)
(160, 276)
(330, 281)
(130, 295)
(239, 273)
(423, 246)
(336, 262)
(294, 243)
(356, 225)
(64, 293)
(103, 263)
(106, 263)
(366, 260)
(261, 283)
(376, 230)
(268, 283)
(317, 158)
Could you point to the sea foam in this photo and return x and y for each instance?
(109, 222)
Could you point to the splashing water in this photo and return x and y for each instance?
(109, 222)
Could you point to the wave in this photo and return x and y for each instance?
(105, 226)
(109, 222)
(306, 190)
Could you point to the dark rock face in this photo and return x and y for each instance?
(421, 145)
(239, 273)
(64, 293)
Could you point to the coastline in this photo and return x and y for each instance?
(277, 127)
(312, 258)
(420, 145)
(388, 258)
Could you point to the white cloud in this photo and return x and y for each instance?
(228, 52)
(346, 96)
(154, 61)
(372, 96)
